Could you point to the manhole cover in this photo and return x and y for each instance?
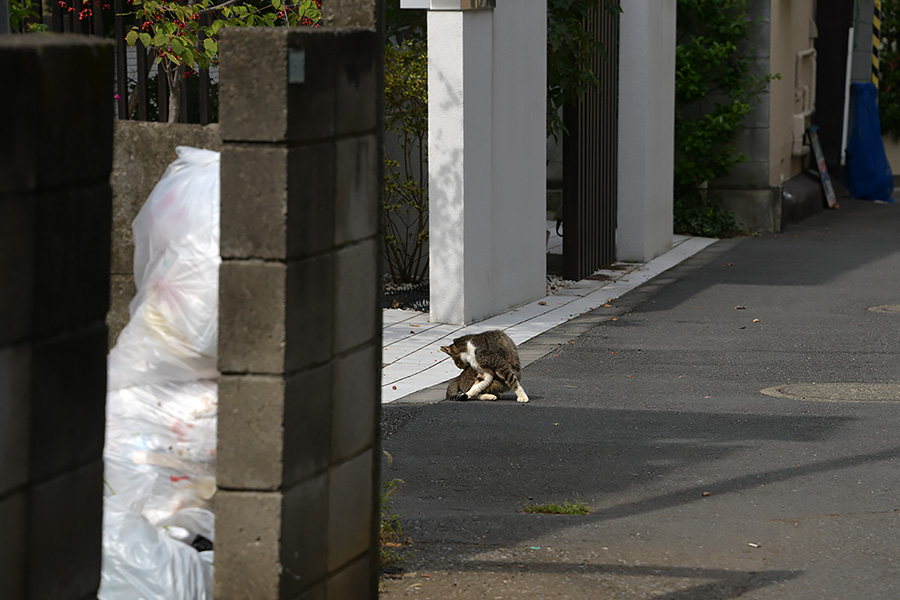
(837, 392)
(893, 309)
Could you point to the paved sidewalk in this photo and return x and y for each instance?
(411, 359)
(732, 423)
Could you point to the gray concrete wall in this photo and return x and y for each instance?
(746, 190)
(861, 69)
(141, 153)
(56, 155)
(299, 314)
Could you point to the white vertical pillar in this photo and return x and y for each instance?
(486, 159)
(459, 163)
(520, 153)
(646, 128)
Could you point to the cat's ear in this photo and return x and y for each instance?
(445, 349)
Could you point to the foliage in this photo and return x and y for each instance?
(405, 181)
(570, 50)
(391, 536)
(696, 214)
(22, 15)
(182, 38)
(566, 508)
(889, 60)
(402, 24)
(713, 90)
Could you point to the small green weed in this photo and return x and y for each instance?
(392, 540)
(566, 508)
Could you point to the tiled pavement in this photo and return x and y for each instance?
(411, 359)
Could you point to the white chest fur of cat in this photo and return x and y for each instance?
(490, 364)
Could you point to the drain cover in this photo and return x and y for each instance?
(837, 392)
(893, 309)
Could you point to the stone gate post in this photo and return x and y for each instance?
(646, 128)
(55, 213)
(300, 317)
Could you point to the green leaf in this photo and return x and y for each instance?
(131, 37)
(145, 38)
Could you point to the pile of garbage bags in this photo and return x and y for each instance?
(160, 452)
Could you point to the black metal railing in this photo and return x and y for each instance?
(142, 92)
(590, 162)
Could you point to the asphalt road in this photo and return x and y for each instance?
(700, 485)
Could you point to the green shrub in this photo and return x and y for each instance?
(696, 214)
(714, 88)
(889, 61)
(406, 180)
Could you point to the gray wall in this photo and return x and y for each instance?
(56, 154)
(299, 315)
(141, 152)
(746, 190)
(861, 69)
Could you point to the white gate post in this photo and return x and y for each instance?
(646, 129)
(486, 155)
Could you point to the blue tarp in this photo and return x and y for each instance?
(869, 175)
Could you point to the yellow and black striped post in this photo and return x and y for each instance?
(876, 42)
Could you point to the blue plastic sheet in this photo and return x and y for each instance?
(869, 175)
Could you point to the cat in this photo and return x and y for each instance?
(458, 386)
(493, 357)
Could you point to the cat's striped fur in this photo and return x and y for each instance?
(493, 357)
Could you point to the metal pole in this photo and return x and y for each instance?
(4, 16)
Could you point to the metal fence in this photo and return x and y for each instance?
(590, 161)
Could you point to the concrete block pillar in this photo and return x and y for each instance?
(55, 213)
(299, 315)
(486, 155)
(646, 129)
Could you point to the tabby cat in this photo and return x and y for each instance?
(493, 358)
(458, 386)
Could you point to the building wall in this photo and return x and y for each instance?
(752, 190)
(892, 149)
(746, 191)
(792, 30)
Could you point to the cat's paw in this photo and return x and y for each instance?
(486, 397)
(461, 397)
(523, 398)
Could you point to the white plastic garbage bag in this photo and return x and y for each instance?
(173, 330)
(159, 457)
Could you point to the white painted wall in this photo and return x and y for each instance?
(646, 129)
(487, 148)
